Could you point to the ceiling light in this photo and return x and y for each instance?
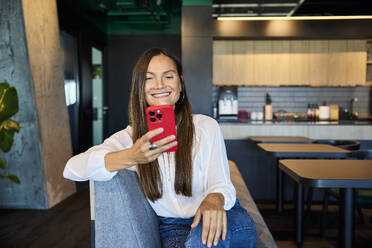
(288, 18)
(253, 5)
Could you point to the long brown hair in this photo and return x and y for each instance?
(149, 175)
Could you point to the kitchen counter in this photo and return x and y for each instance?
(242, 129)
(302, 122)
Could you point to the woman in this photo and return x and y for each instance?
(190, 189)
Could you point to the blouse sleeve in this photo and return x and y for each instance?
(218, 174)
(90, 165)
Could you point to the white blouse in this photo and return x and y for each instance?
(210, 169)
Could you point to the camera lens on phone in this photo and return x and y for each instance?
(159, 115)
(152, 113)
(152, 119)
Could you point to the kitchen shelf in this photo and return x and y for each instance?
(369, 61)
(290, 85)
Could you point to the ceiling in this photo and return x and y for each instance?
(164, 16)
(128, 16)
(271, 8)
(133, 11)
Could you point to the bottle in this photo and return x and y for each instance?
(316, 112)
(308, 112)
(268, 108)
(215, 110)
(313, 112)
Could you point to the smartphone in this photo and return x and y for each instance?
(162, 116)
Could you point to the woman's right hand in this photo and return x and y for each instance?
(140, 151)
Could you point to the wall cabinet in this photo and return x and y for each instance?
(318, 56)
(290, 62)
(369, 62)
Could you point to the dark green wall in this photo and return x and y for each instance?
(197, 2)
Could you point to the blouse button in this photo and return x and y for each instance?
(168, 179)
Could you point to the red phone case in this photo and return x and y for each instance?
(162, 116)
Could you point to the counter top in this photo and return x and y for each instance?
(359, 130)
(332, 123)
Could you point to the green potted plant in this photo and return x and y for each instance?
(8, 107)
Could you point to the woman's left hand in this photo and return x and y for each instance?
(214, 219)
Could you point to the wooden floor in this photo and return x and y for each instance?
(67, 225)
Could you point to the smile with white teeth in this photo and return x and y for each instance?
(163, 94)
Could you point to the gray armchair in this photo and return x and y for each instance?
(122, 217)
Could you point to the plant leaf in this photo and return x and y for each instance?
(3, 86)
(11, 177)
(6, 139)
(10, 125)
(2, 163)
(8, 101)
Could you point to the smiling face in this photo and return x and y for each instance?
(162, 83)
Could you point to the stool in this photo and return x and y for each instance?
(350, 145)
(363, 197)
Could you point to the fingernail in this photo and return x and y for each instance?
(203, 242)
(209, 244)
(161, 129)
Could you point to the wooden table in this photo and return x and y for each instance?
(292, 150)
(344, 174)
(281, 139)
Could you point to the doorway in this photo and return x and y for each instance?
(71, 84)
(99, 110)
(84, 90)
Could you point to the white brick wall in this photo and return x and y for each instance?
(295, 99)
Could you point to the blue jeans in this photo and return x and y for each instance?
(241, 231)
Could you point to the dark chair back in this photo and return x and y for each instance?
(361, 154)
(350, 145)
